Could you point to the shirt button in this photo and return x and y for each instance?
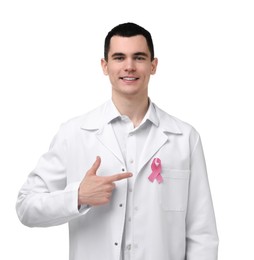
(130, 189)
(120, 205)
(136, 208)
(116, 244)
(135, 246)
(129, 219)
(131, 161)
(123, 169)
(128, 247)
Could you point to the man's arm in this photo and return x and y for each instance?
(201, 233)
(45, 199)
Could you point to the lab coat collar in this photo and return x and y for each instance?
(167, 123)
(99, 122)
(103, 115)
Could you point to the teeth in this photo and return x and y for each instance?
(130, 79)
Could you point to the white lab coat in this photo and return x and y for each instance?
(173, 220)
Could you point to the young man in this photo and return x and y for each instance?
(129, 179)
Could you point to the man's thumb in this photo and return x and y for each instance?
(95, 166)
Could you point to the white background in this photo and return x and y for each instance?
(50, 71)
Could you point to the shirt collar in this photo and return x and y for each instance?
(112, 113)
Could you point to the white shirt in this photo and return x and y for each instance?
(131, 141)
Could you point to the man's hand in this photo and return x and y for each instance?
(97, 190)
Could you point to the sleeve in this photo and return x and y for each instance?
(201, 232)
(45, 199)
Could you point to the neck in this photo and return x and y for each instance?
(135, 109)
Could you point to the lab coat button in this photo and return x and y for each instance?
(120, 205)
(116, 244)
(123, 169)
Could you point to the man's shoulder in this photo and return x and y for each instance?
(169, 121)
(91, 118)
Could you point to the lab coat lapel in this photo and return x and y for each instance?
(162, 125)
(97, 121)
(107, 137)
(155, 140)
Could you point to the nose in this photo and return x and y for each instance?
(129, 65)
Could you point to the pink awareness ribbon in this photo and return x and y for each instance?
(156, 171)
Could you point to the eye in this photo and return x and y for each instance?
(139, 58)
(119, 58)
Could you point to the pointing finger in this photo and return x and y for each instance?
(95, 166)
(119, 176)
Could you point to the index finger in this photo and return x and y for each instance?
(119, 176)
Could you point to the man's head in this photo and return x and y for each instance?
(129, 60)
(128, 30)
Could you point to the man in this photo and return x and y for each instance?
(128, 178)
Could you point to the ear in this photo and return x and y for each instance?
(154, 66)
(104, 66)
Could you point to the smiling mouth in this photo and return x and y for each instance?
(129, 78)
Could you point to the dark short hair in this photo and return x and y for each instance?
(128, 30)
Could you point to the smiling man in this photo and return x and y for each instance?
(129, 178)
(129, 65)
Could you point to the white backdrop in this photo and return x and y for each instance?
(50, 71)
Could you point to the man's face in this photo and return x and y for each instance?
(129, 65)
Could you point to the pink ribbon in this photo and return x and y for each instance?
(156, 171)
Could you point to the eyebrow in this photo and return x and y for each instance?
(141, 54)
(117, 54)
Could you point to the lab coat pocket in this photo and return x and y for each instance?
(174, 189)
